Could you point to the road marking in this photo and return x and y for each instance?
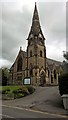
(37, 111)
(6, 116)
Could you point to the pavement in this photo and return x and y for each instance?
(45, 99)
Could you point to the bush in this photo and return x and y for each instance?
(19, 95)
(31, 89)
(5, 91)
(63, 84)
(16, 91)
(24, 90)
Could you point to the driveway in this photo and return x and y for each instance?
(46, 99)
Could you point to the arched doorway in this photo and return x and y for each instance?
(42, 78)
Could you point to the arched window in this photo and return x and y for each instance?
(42, 78)
(48, 73)
(19, 64)
(40, 53)
(51, 79)
(54, 74)
(31, 70)
(31, 53)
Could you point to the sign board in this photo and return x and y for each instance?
(27, 81)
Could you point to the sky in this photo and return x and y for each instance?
(15, 23)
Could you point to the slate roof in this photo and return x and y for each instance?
(51, 67)
(51, 62)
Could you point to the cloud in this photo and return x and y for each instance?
(16, 23)
(54, 22)
(5, 63)
(56, 52)
(14, 32)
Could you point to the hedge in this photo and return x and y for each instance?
(63, 84)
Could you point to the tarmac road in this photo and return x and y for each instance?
(15, 112)
(45, 99)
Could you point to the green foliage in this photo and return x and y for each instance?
(17, 91)
(5, 91)
(63, 84)
(20, 92)
(65, 55)
(31, 89)
(10, 87)
(19, 95)
(5, 76)
(0, 76)
(24, 90)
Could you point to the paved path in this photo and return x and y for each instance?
(46, 99)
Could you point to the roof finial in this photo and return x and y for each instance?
(20, 48)
(35, 6)
(35, 15)
(35, 3)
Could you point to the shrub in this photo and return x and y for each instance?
(63, 84)
(15, 91)
(10, 92)
(31, 89)
(5, 91)
(19, 95)
(24, 90)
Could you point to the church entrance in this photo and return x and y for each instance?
(42, 78)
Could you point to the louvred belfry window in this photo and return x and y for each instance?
(19, 64)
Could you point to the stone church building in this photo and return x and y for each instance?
(33, 63)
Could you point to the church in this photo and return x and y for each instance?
(33, 63)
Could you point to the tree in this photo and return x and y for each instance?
(0, 76)
(63, 79)
(5, 76)
(65, 54)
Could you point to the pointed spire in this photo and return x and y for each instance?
(35, 15)
(35, 28)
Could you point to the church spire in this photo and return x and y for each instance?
(35, 28)
(35, 15)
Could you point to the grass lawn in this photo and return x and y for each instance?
(10, 87)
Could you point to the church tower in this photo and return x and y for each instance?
(36, 52)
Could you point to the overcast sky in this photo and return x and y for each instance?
(15, 23)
